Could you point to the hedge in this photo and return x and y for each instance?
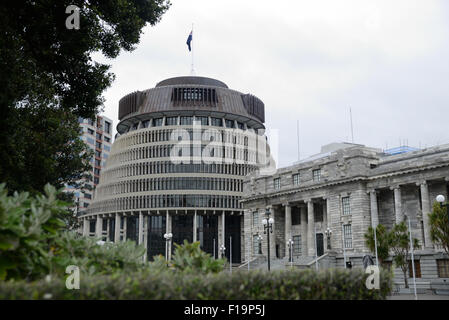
(335, 284)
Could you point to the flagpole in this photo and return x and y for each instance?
(192, 71)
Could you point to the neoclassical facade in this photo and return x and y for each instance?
(177, 166)
(346, 189)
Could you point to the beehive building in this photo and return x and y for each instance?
(177, 166)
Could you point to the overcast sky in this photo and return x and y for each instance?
(309, 61)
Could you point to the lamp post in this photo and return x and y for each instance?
(222, 250)
(413, 259)
(260, 238)
(267, 229)
(168, 237)
(290, 247)
(328, 234)
(440, 198)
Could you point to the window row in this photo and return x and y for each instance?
(170, 167)
(167, 201)
(187, 150)
(316, 177)
(172, 183)
(186, 134)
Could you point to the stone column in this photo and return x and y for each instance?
(374, 209)
(288, 226)
(310, 229)
(425, 214)
(398, 205)
(194, 227)
(303, 214)
(140, 234)
(117, 228)
(145, 236)
(125, 227)
(99, 227)
(85, 227)
(168, 230)
(326, 223)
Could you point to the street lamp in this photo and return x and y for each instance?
(267, 229)
(260, 238)
(290, 247)
(328, 234)
(168, 237)
(222, 250)
(440, 198)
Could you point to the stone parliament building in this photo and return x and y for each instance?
(345, 189)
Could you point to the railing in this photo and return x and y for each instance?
(244, 264)
(317, 259)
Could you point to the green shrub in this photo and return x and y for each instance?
(190, 258)
(34, 243)
(241, 285)
(28, 229)
(92, 258)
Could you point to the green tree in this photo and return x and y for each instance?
(46, 149)
(47, 74)
(399, 239)
(383, 244)
(439, 226)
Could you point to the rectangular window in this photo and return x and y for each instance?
(98, 136)
(90, 131)
(97, 171)
(107, 127)
(186, 121)
(347, 236)
(255, 219)
(171, 121)
(417, 269)
(90, 141)
(443, 268)
(255, 244)
(346, 209)
(98, 163)
(217, 122)
(296, 179)
(107, 139)
(87, 196)
(230, 124)
(240, 125)
(204, 121)
(98, 145)
(316, 175)
(157, 122)
(297, 250)
(98, 154)
(277, 183)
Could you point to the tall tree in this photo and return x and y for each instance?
(46, 70)
(439, 226)
(383, 244)
(399, 239)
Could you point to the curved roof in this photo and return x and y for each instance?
(189, 80)
(190, 95)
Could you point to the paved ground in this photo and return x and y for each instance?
(420, 297)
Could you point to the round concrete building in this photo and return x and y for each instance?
(177, 166)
